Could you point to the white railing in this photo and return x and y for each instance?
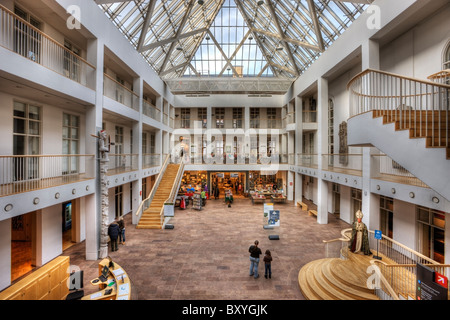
(441, 77)
(28, 41)
(150, 160)
(308, 160)
(234, 158)
(343, 163)
(389, 170)
(289, 119)
(150, 110)
(421, 106)
(118, 92)
(120, 163)
(309, 116)
(26, 173)
(401, 280)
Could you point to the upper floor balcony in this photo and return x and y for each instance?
(22, 173)
(253, 158)
(26, 40)
(120, 93)
(150, 110)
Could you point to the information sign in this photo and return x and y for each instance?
(274, 218)
(378, 234)
(431, 285)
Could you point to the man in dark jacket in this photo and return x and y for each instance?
(255, 252)
(113, 233)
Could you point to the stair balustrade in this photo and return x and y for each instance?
(396, 271)
(146, 202)
(421, 106)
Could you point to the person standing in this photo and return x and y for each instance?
(268, 264)
(121, 230)
(216, 192)
(113, 233)
(255, 252)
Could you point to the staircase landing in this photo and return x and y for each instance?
(337, 279)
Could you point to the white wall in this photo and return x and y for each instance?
(404, 223)
(50, 234)
(345, 204)
(418, 53)
(5, 253)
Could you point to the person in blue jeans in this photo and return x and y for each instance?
(121, 230)
(268, 263)
(255, 252)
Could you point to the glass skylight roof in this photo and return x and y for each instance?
(232, 38)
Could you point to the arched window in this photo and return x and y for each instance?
(447, 57)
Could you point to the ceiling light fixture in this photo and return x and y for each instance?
(200, 2)
(260, 2)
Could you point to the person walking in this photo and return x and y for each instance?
(255, 252)
(113, 233)
(121, 230)
(268, 264)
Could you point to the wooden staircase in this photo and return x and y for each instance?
(431, 125)
(151, 218)
(336, 279)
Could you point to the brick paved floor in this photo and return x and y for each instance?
(205, 257)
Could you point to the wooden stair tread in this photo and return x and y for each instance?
(354, 291)
(336, 279)
(313, 284)
(349, 274)
(307, 292)
(331, 289)
(151, 218)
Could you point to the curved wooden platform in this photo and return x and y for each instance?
(336, 279)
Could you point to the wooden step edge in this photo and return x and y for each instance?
(305, 289)
(148, 227)
(348, 281)
(314, 284)
(355, 293)
(333, 290)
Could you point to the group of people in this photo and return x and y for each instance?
(255, 253)
(116, 233)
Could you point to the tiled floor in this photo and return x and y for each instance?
(205, 257)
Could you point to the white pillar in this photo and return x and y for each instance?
(95, 55)
(322, 148)
(5, 253)
(370, 55)
(370, 206)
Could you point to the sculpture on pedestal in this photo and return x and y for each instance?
(360, 236)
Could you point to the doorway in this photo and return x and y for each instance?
(22, 245)
(229, 180)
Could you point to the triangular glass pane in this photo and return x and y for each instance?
(230, 31)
